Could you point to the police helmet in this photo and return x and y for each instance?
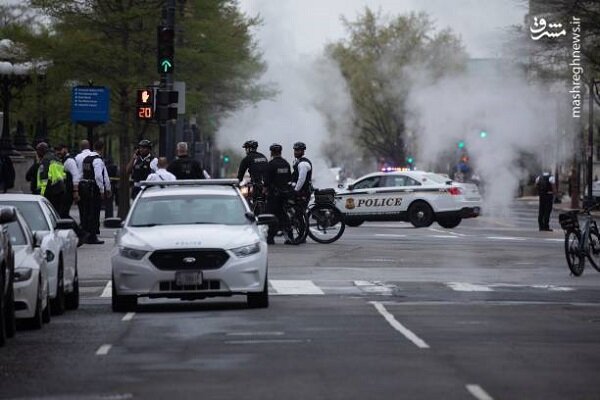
(276, 147)
(299, 146)
(250, 144)
(145, 143)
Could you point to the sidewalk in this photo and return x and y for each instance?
(564, 205)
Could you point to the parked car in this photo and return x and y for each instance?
(59, 244)
(418, 197)
(189, 240)
(7, 271)
(32, 289)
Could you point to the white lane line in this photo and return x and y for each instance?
(554, 240)
(417, 341)
(478, 392)
(374, 287)
(276, 333)
(389, 235)
(446, 232)
(267, 341)
(443, 236)
(128, 317)
(379, 260)
(107, 292)
(294, 287)
(468, 287)
(506, 238)
(103, 350)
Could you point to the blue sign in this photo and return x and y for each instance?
(90, 104)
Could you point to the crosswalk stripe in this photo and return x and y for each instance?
(295, 287)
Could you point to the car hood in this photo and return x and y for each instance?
(186, 236)
(23, 258)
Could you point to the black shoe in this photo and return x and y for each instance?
(83, 239)
(94, 240)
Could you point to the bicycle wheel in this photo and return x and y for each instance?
(575, 259)
(325, 224)
(296, 226)
(259, 207)
(594, 254)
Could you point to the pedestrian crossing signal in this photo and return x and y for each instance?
(145, 104)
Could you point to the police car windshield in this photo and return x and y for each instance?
(32, 212)
(188, 210)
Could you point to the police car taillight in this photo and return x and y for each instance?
(454, 191)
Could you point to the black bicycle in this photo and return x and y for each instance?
(326, 222)
(253, 192)
(295, 223)
(580, 243)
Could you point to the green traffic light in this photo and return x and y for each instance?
(461, 144)
(166, 65)
(483, 134)
(409, 160)
(225, 159)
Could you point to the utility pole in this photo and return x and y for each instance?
(590, 150)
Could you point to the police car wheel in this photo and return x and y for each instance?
(449, 222)
(420, 214)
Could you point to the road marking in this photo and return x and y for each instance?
(107, 292)
(506, 238)
(296, 287)
(417, 341)
(374, 287)
(468, 287)
(444, 236)
(267, 341)
(379, 260)
(554, 240)
(103, 350)
(389, 235)
(446, 232)
(255, 334)
(478, 392)
(128, 317)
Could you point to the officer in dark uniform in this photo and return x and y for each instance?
(545, 186)
(50, 176)
(142, 164)
(94, 189)
(71, 180)
(185, 167)
(255, 163)
(302, 175)
(277, 184)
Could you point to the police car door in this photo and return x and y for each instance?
(360, 200)
(400, 191)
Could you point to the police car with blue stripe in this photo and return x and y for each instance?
(418, 197)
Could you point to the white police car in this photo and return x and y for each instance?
(189, 240)
(415, 196)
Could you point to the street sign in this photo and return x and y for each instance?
(90, 104)
(145, 104)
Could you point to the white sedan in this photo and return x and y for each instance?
(189, 240)
(59, 244)
(415, 196)
(31, 285)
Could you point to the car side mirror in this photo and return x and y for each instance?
(350, 187)
(65, 224)
(113, 223)
(266, 219)
(37, 240)
(340, 186)
(7, 215)
(250, 216)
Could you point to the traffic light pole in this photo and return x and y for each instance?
(166, 83)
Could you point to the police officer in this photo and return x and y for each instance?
(545, 186)
(184, 167)
(302, 175)
(94, 188)
(255, 163)
(71, 181)
(142, 164)
(161, 174)
(50, 176)
(277, 184)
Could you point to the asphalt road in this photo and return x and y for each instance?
(483, 311)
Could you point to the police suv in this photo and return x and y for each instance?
(415, 196)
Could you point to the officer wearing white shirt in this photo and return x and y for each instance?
(84, 147)
(161, 173)
(302, 173)
(95, 186)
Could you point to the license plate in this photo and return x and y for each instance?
(188, 278)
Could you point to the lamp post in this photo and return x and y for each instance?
(594, 96)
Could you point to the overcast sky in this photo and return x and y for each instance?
(310, 24)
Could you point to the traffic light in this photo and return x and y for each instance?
(145, 104)
(225, 159)
(461, 144)
(166, 104)
(483, 134)
(410, 160)
(166, 50)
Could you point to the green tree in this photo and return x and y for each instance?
(379, 61)
(113, 44)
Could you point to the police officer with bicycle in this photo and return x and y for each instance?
(142, 164)
(255, 163)
(277, 185)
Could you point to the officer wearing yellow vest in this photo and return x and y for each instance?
(50, 176)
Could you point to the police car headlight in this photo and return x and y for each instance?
(22, 274)
(246, 251)
(130, 253)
